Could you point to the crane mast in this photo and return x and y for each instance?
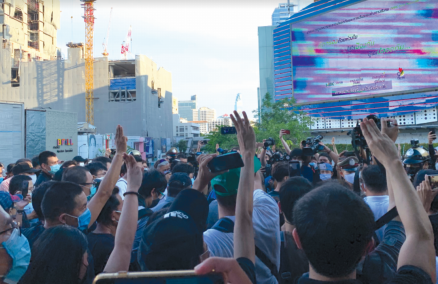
(89, 59)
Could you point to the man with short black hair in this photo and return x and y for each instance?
(36, 163)
(97, 169)
(373, 184)
(104, 160)
(280, 174)
(80, 161)
(325, 158)
(49, 166)
(182, 157)
(184, 168)
(80, 176)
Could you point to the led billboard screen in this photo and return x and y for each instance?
(374, 47)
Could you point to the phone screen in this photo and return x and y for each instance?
(294, 169)
(167, 277)
(433, 181)
(226, 162)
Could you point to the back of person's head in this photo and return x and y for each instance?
(183, 168)
(60, 199)
(24, 160)
(69, 164)
(9, 168)
(57, 256)
(44, 156)
(102, 159)
(105, 216)
(334, 226)
(95, 168)
(19, 183)
(152, 179)
(421, 176)
(177, 183)
(374, 179)
(280, 171)
(290, 191)
(38, 195)
(35, 161)
(181, 156)
(75, 174)
(174, 163)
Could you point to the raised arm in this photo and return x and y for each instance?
(286, 147)
(199, 146)
(243, 230)
(418, 249)
(334, 146)
(204, 174)
(121, 254)
(109, 181)
(333, 155)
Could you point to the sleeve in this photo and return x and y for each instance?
(248, 267)
(432, 155)
(411, 275)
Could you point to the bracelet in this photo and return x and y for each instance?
(131, 192)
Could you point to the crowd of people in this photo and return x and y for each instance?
(343, 218)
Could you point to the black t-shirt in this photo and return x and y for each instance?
(33, 233)
(43, 177)
(100, 246)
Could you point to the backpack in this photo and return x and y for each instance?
(293, 261)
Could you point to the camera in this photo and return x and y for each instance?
(313, 146)
(269, 142)
(415, 143)
(279, 157)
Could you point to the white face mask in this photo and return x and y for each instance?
(349, 178)
(34, 178)
(81, 164)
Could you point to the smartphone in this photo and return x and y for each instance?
(432, 130)
(225, 162)
(158, 277)
(322, 166)
(433, 180)
(294, 169)
(228, 130)
(286, 132)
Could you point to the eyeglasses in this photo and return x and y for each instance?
(14, 225)
(89, 183)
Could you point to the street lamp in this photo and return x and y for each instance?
(80, 149)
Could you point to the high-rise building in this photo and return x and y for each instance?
(207, 114)
(185, 108)
(224, 120)
(282, 13)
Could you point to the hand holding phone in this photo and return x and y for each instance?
(225, 162)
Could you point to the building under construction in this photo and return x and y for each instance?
(133, 93)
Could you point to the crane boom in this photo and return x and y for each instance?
(105, 40)
(89, 59)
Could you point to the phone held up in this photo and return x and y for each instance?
(225, 162)
(287, 132)
(159, 277)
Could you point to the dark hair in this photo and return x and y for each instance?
(35, 162)
(38, 195)
(59, 199)
(335, 226)
(183, 168)
(44, 156)
(420, 176)
(324, 154)
(374, 179)
(76, 174)
(102, 159)
(9, 168)
(111, 205)
(57, 256)
(58, 175)
(174, 164)
(95, 167)
(138, 158)
(228, 202)
(69, 163)
(23, 161)
(280, 171)
(181, 156)
(292, 190)
(152, 179)
(123, 169)
(19, 183)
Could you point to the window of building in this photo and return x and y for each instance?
(181, 129)
(177, 129)
(18, 15)
(195, 135)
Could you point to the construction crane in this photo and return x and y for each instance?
(89, 59)
(105, 40)
(126, 46)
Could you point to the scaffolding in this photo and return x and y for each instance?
(89, 59)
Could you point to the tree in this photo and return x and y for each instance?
(182, 145)
(224, 141)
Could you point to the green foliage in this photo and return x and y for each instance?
(182, 145)
(274, 117)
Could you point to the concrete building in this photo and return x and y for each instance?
(207, 114)
(185, 108)
(29, 29)
(126, 91)
(174, 105)
(266, 62)
(203, 126)
(282, 13)
(217, 123)
(183, 128)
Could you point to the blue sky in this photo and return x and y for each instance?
(210, 47)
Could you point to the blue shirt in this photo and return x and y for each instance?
(163, 202)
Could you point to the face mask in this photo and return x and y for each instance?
(54, 169)
(93, 190)
(313, 165)
(325, 176)
(349, 178)
(83, 220)
(18, 249)
(34, 179)
(81, 164)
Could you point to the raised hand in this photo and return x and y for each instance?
(120, 141)
(108, 152)
(245, 134)
(426, 193)
(391, 131)
(204, 174)
(431, 137)
(380, 144)
(135, 172)
(333, 140)
(326, 149)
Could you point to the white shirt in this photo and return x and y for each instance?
(122, 184)
(379, 206)
(267, 236)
